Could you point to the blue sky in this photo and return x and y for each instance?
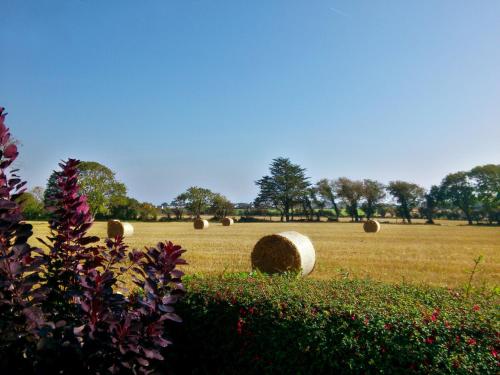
(171, 94)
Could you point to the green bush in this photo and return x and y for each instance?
(283, 325)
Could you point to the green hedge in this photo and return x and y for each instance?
(281, 325)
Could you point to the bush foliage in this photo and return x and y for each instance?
(61, 310)
(282, 325)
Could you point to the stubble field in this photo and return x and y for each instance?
(438, 255)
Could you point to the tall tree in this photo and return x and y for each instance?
(351, 193)
(408, 196)
(98, 183)
(486, 179)
(327, 192)
(198, 200)
(286, 185)
(373, 193)
(432, 199)
(459, 190)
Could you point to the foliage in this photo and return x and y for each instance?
(221, 206)
(458, 190)
(98, 183)
(179, 205)
(62, 311)
(373, 193)
(351, 192)
(32, 208)
(283, 325)
(147, 212)
(327, 192)
(286, 185)
(19, 294)
(126, 209)
(486, 180)
(432, 199)
(197, 200)
(408, 195)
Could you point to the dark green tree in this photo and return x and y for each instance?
(125, 209)
(459, 191)
(285, 186)
(486, 179)
(432, 199)
(373, 193)
(408, 196)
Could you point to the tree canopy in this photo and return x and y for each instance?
(98, 183)
(284, 187)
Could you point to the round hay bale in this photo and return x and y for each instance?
(227, 221)
(117, 228)
(371, 226)
(200, 224)
(284, 252)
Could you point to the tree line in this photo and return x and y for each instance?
(288, 192)
(473, 195)
(107, 198)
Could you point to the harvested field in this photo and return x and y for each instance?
(437, 255)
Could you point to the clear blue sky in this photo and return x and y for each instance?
(173, 93)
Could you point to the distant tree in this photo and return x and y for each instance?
(147, 212)
(198, 200)
(98, 183)
(285, 186)
(486, 180)
(318, 204)
(408, 196)
(459, 190)
(50, 190)
(31, 207)
(351, 192)
(432, 199)
(221, 206)
(327, 192)
(125, 209)
(384, 209)
(178, 205)
(165, 209)
(373, 193)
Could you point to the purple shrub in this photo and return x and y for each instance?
(19, 294)
(66, 303)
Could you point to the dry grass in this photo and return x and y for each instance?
(437, 255)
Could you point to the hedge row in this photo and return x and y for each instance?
(282, 325)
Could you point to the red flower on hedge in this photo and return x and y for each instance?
(429, 340)
(476, 308)
(471, 341)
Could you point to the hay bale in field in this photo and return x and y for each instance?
(117, 228)
(227, 221)
(200, 223)
(371, 226)
(284, 252)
